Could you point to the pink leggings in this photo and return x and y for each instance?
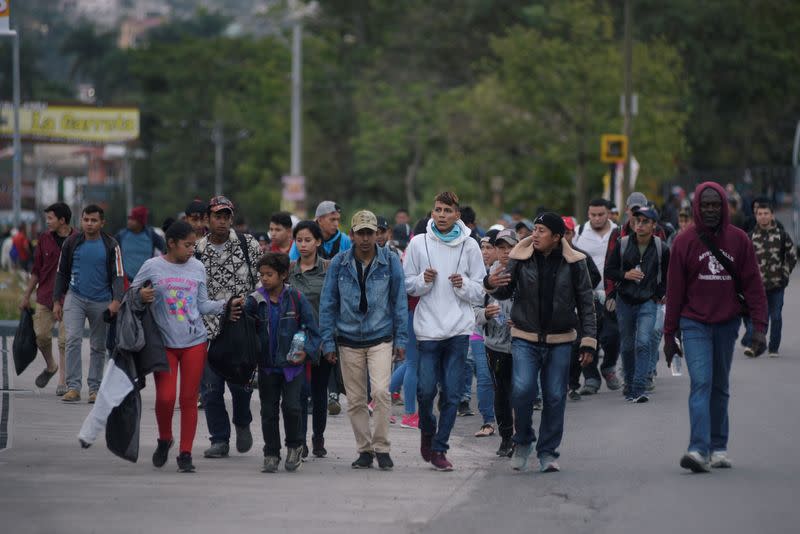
(191, 361)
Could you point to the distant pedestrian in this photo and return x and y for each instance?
(197, 215)
(89, 283)
(711, 266)
(444, 268)
(138, 242)
(280, 232)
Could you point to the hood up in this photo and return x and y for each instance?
(698, 220)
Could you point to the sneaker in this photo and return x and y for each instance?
(72, 395)
(749, 352)
(371, 407)
(464, 410)
(574, 395)
(162, 452)
(244, 438)
(397, 400)
(385, 462)
(61, 389)
(651, 384)
(548, 464)
(364, 461)
(271, 464)
(695, 462)
(641, 399)
(520, 459)
(425, 444)
(720, 460)
(440, 462)
(588, 390)
(334, 408)
(537, 405)
(506, 449)
(318, 447)
(293, 458)
(304, 454)
(219, 449)
(92, 397)
(185, 463)
(44, 377)
(612, 380)
(626, 390)
(410, 420)
(772, 354)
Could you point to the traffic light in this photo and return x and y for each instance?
(613, 148)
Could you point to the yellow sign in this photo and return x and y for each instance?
(613, 148)
(71, 124)
(5, 10)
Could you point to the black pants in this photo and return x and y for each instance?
(275, 392)
(318, 391)
(575, 367)
(609, 341)
(501, 366)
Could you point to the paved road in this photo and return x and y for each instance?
(620, 472)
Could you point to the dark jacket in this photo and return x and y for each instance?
(613, 241)
(572, 292)
(699, 287)
(45, 267)
(296, 313)
(116, 273)
(594, 272)
(650, 287)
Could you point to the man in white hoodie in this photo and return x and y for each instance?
(443, 267)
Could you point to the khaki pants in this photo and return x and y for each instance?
(43, 321)
(355, 364)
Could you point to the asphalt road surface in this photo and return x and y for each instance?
(619, 473)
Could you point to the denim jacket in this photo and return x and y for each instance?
(292, 304)
(387, 307)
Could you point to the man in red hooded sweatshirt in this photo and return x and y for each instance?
(702, 303)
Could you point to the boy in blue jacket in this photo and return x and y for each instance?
(281, 312)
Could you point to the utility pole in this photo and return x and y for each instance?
(628, 120)
(796, 199)
(218, 137)
(297, 95)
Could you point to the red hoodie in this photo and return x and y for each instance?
(698, 287)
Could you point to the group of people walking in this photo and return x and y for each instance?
(380, 310)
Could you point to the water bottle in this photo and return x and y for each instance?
(638, 268)
(298, 345)
(677, 365)
(501, 317)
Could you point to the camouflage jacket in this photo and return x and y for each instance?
(776, 255)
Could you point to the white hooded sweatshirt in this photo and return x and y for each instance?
(444, 311)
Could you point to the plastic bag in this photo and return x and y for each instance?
(24, 348)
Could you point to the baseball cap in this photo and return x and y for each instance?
(220, 203)
(525, 223)
(636, 199)
(569, 223)
(196, 206)
(325, 207)
(364, 220)
(383, 223)
(650, 213)
(508, 235)
(614, 208)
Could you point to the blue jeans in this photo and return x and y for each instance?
(636, 322)
(213, 391)
(440, 362)
(708, 350)
(405, 374)
(551, 363)
(655, 339)
(775, 306)
(478, 365)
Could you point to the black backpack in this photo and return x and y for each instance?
(234, 353)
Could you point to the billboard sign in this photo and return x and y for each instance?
(71, 123)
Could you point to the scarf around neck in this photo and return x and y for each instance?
(451, 236)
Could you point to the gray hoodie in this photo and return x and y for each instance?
(497, 337)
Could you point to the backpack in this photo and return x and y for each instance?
(234, 353)
(245, 251)
(623, 244)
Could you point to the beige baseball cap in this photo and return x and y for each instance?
(364, 220)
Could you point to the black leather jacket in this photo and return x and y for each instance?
(573, 300)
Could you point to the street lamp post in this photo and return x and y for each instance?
(17, 140)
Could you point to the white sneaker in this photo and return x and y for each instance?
(695, 462)
(773, 354)
(749, 352)
(720, 460)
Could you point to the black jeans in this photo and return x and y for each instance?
(271, 387)
(318, 391)
(501, 366)
(575, 367)
(609, 341)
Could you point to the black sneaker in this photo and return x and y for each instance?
(364, 461)
(162, 452)
(244, 439)
(574, 395)
(334, 408)
(464, 410)
(506, 449)
(304, 454)
(185, 463)
(318, 447)
(641, 399)
(385, 462)
(537, 405)
(219, 449)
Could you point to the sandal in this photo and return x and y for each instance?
(44, 377)
(485, 431)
